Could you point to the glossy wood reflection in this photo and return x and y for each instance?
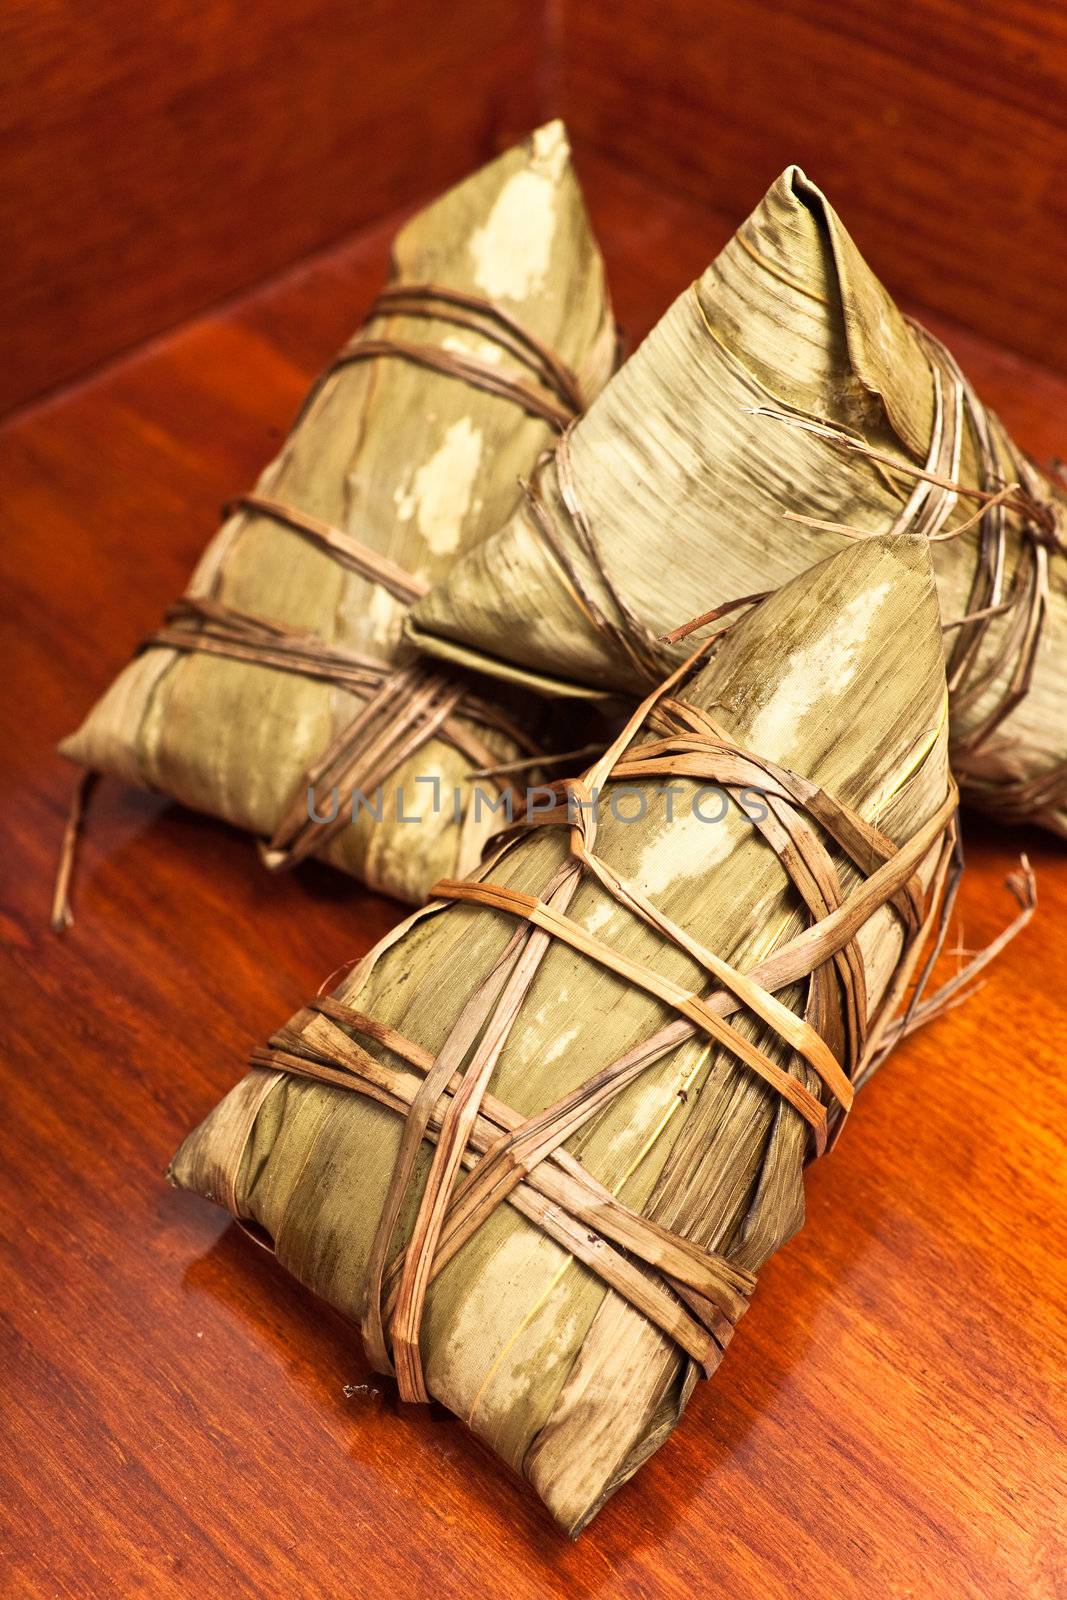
(181, 1419)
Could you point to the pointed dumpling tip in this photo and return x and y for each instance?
(552, 133)
(803, 186)
(469, 203)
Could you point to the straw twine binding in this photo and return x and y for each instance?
(937, 489)
(694, 1295)
(404, 707)
(409, 705)
(928, 507)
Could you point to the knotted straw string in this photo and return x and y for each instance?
(935, 494)
(557, 1194)
(413, 704)
(504, 1157)
(404, 707)
(937, 490)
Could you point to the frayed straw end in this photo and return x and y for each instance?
(273, 859)
(1022, 884)
(62, 916)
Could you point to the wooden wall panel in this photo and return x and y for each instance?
(155, 158)
(937, 127)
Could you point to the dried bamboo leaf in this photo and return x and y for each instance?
(840, 678)
(417, 466)
(740, 411)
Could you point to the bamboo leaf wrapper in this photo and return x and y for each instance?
(494, 328)
(784, 384)
(544, 1323)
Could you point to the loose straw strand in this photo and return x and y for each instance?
(62, 914)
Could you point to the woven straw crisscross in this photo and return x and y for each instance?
(486, 1153)
(404, 707)
(975, 669)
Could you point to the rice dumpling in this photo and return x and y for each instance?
(283, 665)
(782, 407)
(541, 1140)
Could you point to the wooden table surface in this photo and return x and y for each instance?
(181, 1418)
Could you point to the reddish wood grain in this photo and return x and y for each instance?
(156, 158)
(176, 1421)
(937, 127)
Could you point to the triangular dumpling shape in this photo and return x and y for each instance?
(837, 685)
(784, 384)
(406, 456)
